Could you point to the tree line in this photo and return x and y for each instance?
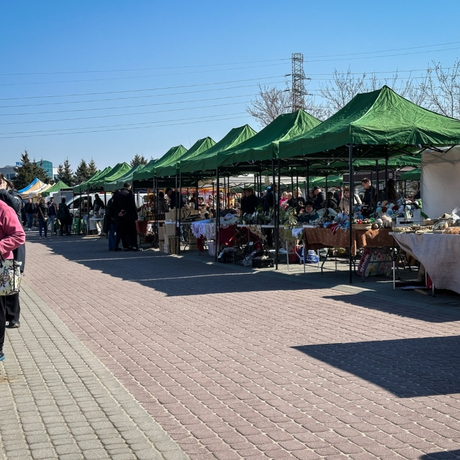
(29, 169)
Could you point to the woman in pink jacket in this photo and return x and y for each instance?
(11, 237)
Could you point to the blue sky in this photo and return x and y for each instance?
(107, 80)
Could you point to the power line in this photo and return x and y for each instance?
(386, 51)
(36, 83)
(129, 126)
(377, 57)
(116, 115)
(138, 90)
(143, 69)
(131, 97)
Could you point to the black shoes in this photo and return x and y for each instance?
(13, 325)
(117, 249)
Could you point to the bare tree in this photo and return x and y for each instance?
(438, 90)
(441, 89)
(269, 104)
(345, 86)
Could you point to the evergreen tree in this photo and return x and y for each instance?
(92, 168)
(82, 173)
(28, 171)
(65, 173)
(138, 160)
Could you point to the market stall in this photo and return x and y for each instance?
(317, 238)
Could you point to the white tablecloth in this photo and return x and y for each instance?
(438, 253)
(204, 228)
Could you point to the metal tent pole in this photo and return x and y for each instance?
(350, 214)
(217, 216)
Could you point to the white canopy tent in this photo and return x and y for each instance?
(440, 181)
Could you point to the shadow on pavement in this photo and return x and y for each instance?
(408, 368)
(163, 272)
(443, 455)
(432, 314)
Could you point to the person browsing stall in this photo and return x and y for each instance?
(344, 204)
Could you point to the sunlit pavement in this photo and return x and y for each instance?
(139, 355)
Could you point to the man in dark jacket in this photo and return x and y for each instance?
(320, 198)
(175, 199)
(370, 194)
(125, 212)
(249, 202)
(30, 210)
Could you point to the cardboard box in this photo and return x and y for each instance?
(173, 245)
(170, 216)
(161, 233)
(161, 245)
(170, 228)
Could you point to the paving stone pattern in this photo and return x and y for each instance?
(144, 355)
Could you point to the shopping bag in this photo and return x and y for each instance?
(10, 276)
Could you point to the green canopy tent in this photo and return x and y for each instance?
(147, 173)
(84, 186)
(379, 124)
(207, 160)
(117, 171)
(55, 188)
(170, 167)
(374, 125)
(262, 146)
(110, 186)
(248, 155)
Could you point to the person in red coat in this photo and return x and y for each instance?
(11, 237)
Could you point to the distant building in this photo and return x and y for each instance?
(8, 171)
(47, 166)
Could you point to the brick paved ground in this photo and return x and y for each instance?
(229, 362)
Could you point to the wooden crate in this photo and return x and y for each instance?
(173, 245)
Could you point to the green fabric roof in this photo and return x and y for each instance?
(411, 175)
(170, 166)
(320, 181)
(264, 144)
(148, 172)
(379, 118)
(85, 186)
(117, 171)
(118, 183)
(208, 159)
(55, 188)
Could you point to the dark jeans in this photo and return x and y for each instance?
(112, 238)
(30, 220)
(42, 226)
(13, 307)
(2, 320)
